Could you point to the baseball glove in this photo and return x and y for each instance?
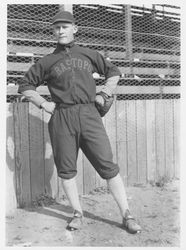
(108, 101)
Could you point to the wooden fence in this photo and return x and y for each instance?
(144, 135)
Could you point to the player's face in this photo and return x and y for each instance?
(64, 32)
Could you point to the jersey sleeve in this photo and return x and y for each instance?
(104, 66)
(33, 78)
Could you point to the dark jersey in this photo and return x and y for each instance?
(68, 73)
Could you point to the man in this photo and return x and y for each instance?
(75, 122)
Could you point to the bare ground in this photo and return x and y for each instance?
(157, 209)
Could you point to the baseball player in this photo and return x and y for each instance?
(75, 117)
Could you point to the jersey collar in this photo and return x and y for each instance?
(61, 47)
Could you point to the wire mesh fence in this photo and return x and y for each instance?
(143, 42)
(143, 122)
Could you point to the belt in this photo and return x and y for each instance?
(68, 105)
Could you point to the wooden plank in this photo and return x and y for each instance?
(176, 138)
(22, 158)
(12, 90)
(79, 177)
(11, 201)
(169, 138)
(61, 193)
(116, 54)
(122, 138)
(36, 151)
(141, 141)
(110, 126)
(89, 176)
(50, 178)
(138, 89)
(151, 140)
(150, 71)
(43, 90)
(147, 89)
(25, 153)
(171, 90)
(32, 49)
(18, 156)
(11, 66)
(131, 142)
(156, 57)
(160, 139)
(100, 182)
(111, 54)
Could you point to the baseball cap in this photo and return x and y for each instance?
(63, 16)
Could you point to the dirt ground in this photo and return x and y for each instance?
(157, 209)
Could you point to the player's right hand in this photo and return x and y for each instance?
(48, 107)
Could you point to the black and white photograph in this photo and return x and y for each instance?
(93, 124)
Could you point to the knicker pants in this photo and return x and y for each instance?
(80, 126)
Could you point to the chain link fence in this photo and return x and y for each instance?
(143, 42)
(143, 123)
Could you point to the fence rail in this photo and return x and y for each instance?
(43, 90)
(144, 135)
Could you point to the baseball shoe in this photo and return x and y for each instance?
(76, 221)
(130, 224)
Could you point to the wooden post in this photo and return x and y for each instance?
(66, 7)
(128, 36)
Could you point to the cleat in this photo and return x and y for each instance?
(130, 224)
(76, 221)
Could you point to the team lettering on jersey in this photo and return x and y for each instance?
(68, 64)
